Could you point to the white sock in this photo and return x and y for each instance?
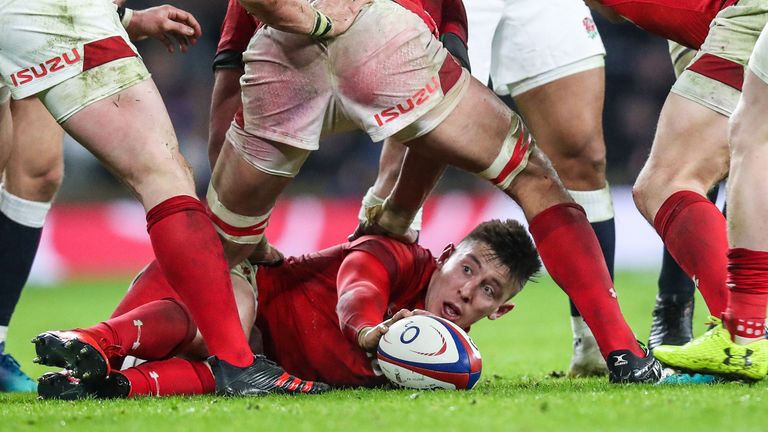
(370, 200)
(580, 328)
(597, 203)
(3, 333)
(25, 212)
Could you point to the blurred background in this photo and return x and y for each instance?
(322, 202)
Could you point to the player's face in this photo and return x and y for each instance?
(470, 284)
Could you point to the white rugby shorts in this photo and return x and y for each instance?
(386, 75)
(46, 43)
(540, 41)
(758, 62)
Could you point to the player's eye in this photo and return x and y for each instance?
(488, 290)
(467, 270)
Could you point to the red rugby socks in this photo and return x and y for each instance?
(170, 377)
(570, 252)
(152, 331)
(748, 281)
(694, 231)
(192, 259)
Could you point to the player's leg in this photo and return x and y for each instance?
(504, 153)
(690, 152)
(390, 162)
(243, 192)
(174, 376)
(6, 126)
(738, 347)
(103, 97)
(673, 310)
(32, 177)
(689, 156)
(565, 117)
(157, 326)
(141, 149)
(747, 235)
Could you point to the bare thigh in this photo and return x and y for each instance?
(244, 190)
(747, 186)
(565, 117)
(131, 133)
(690, 152)
(471, 137)
(6, 134)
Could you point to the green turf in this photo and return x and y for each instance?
(518, 390)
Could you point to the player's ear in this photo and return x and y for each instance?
(447, 252)
(501, 311)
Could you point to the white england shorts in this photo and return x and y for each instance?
(540, 41)
(68, 52)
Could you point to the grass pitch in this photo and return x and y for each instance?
(524, 355)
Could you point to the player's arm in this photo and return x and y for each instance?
(225, 101)
(323, 18)
(363, 289)
(394, 217)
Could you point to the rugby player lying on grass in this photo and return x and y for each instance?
(318, 315)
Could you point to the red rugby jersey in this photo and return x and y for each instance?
(312, 334)
(683, 21)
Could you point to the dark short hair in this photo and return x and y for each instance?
(511, 245)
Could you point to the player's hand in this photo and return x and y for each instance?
(266, 255)
(372, 226)
(165, 23)
(369, 337)
(341, 12)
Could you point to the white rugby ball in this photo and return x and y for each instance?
(426, 352)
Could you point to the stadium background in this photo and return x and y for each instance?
(96, 229)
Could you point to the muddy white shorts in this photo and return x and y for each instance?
(386, 75)
(61, 49)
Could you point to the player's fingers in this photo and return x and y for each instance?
(178, 28)
(420, 312)
(188, 19)
(162, 37)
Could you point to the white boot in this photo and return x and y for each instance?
(587, 360)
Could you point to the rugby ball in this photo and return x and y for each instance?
(427, 352)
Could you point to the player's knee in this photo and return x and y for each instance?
(744, 136)
(649, 184)
(581, 161)
(48, 183)
(36, 183)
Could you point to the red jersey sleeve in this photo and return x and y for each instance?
(362, 285)
(377, 277)
(237, 29)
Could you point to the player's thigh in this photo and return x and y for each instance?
(689, 152)
(472, 137)
(131, 133)
(6, 127)
(747, 188)
(565, 117)
(36, 166)
(241, 187)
